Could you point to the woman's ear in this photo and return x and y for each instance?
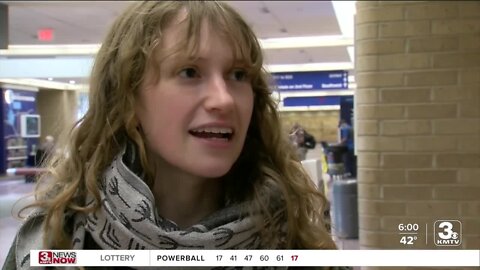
(138, 126)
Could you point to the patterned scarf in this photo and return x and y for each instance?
(127, 218)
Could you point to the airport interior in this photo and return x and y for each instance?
(403, 77)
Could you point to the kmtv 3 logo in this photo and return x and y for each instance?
(60, 257)
(447, 233)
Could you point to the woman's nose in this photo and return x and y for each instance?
(219, 96)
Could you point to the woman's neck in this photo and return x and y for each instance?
(183, 198)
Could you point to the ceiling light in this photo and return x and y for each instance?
(50, 79)
(71, 82)
(351, 53)
(345, 11)
(310, 67)
(44, 84)
(92, 49)
(303, 42)
(71, 49)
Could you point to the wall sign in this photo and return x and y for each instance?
(20, 129)
(311, 80)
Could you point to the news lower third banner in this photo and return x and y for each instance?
(214, 258)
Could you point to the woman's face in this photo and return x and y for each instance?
(195, 117)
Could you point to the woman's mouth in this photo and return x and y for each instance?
(213, 133)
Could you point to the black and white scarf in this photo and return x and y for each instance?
(127, 218)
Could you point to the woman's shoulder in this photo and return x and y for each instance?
(32, 224)
(29, 237)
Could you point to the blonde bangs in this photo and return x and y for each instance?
(227, 23)
(242, 40)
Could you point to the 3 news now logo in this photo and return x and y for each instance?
(60, 257)
(447, 233)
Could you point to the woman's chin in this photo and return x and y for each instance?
(211, 170)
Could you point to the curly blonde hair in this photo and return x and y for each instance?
(266, 171)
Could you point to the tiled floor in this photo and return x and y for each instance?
(14, 188)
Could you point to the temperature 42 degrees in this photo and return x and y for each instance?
(408, 239)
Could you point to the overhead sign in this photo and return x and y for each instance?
(311, 101)
(311, 80)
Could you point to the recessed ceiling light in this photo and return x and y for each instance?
(303, 42)
(345, 12)
(72, 82)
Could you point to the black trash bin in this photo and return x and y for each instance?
(345, 208)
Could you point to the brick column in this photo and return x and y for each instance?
(418, 99)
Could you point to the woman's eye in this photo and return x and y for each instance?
(188, 73)
(239, 75)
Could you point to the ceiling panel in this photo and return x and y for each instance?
(79, 22)
(263, 24)
(299, 18)
(305, 18)
(86, 22)
(73, 22)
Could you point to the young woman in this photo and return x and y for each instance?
(181, 146)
